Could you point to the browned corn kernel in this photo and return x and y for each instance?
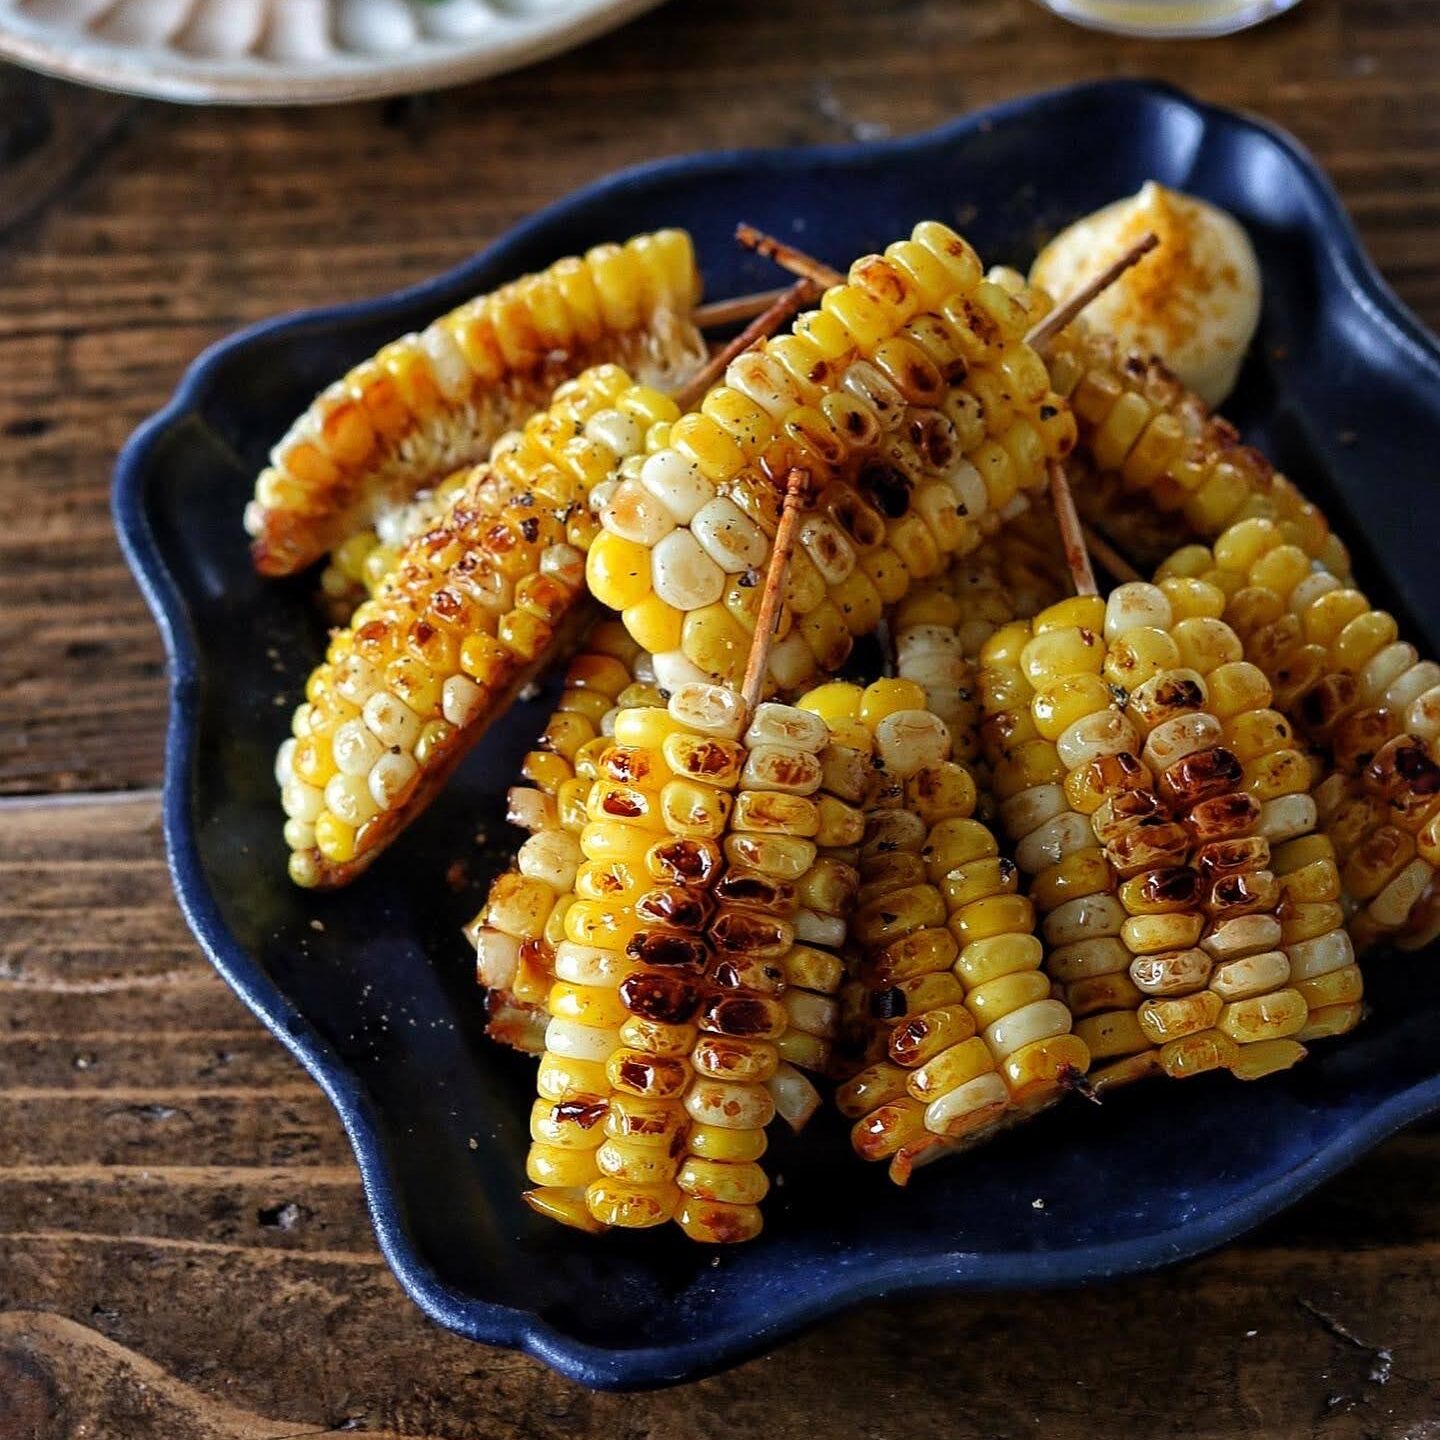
(1138, 425)
(964, 1033)
(877, 397)
(475, 605)
(513, 939)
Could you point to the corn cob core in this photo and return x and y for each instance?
(517, 929)
(469, 613)
(431, 402)
(921, 417)
(1353, 691)
(1073, 883)
(1137, 422)
(964, 1032)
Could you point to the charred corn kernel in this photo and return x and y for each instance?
(433, 402)
(916, 427)
(471, 604)
(1349, 686)
(947, 948)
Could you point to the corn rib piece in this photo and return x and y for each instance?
(474, 608)
(517, 929)
(430, 403)
(1146, 435)
(678, 992)
(1368, 707)
(922, 419)
(963, 1032)
(1047, 817)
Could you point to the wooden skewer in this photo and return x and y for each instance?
(1109, 556)
(1072, 536)
(787, 257)
(1042, 334)
(797, 493)
(791, 299)
(741, 307)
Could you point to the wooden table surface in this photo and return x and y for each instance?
(184, 1250)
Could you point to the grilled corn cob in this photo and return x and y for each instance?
(965, 1034)
(431, 402)
(684, 992)
(516, 930)
(777, 926)
(1137, 422)
(1225, 761)
(474, 606)
(1366, 704)
(921, 417)
(1072, 882)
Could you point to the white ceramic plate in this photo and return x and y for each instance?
(300, 52)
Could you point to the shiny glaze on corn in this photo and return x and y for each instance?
(429, 403)
(921, 418)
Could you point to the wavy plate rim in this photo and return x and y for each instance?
(597, 1366)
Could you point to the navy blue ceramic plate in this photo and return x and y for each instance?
(371, 988)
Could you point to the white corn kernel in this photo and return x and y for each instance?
(1133, 604)
(617, 431)
(355, 748)
(1173, 740)
(775, 724)
(729, 537)
(633, 513)
(578, 1042)
(497, 958)
(392, 777)
(909, 740)
(683, 575)
(1285, 817)
(1106, 732)
(348, 798)
(762, 379)
(461, 700)
(284, 760)
(676, 483)
(708, 708)
(552, 856)
(1331, 951)
(590, 965)
(391, 721)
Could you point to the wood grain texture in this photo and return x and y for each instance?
(191, 223)
(184, 1247)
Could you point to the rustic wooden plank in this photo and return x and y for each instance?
(197, 221)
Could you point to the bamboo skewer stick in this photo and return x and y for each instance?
(1047, 329)
(787, 257)
(739, 307)
(797, 493)
(1109, 556)
(766, 323)
(1072, 536)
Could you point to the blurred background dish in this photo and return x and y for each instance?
(1169, 19)
(300, 52)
